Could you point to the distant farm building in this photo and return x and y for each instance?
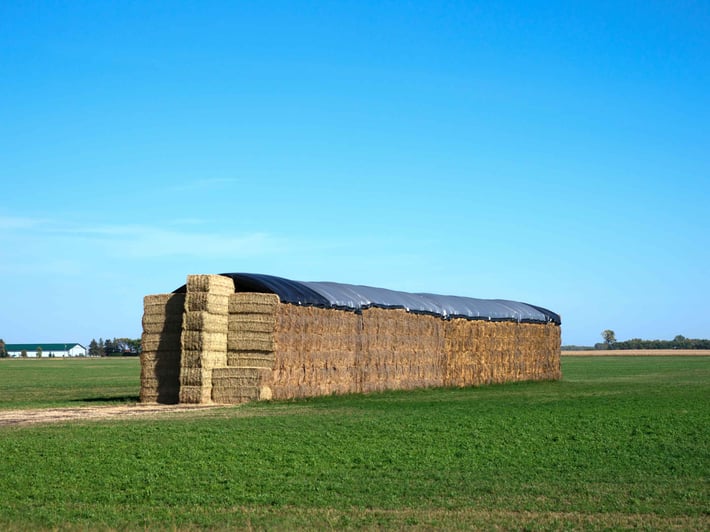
(69, 349)
(233, 338)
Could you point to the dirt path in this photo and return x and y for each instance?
(90, 413)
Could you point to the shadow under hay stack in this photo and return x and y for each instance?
(233, 338)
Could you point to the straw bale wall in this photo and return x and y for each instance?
(320, 352)
(316, 352)
(214, 345)
(486, 352)
(160, 354)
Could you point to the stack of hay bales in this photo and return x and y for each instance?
(211, 344)
(204, 335)
(160, 354)
(250, 334)
(250, 350)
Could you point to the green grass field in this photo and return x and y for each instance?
(619, 443)
(52, 382)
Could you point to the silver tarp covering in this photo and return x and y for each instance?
(357, 298)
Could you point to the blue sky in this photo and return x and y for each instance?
(556, 153)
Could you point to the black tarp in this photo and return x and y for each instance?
(357, 298)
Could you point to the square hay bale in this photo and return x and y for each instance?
(203, 359)
(195, 395)
(205, 322)
(168, 304)
(215, 284)
(159, 373)
(195, 377)
(160, 342)
(161, 316)
(258, 359)
(158, 324)
(204, 341)
(242, 394)
(251, 303)
(261, 323)
(154, 358)
(235, 385)
(239, 376)
(207, 302)
(250, 342)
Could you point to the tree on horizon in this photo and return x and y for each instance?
(609, 338)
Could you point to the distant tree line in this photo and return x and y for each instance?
(679, 342)
(115, 347)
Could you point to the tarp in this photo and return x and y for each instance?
(357, 298)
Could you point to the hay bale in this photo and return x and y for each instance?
(237, 375)
(162, 313)
(151, 358)
(157, 372)
(258, 359)
(205, 322)
(168, 304)
(214, 284)
(247, 341)
(195, 395)
(160, 342)
(207, 302)
(235, 385)
(204, 341)
(231, 396)
(252, 303)
(196, 358)
(161, 325)
(258, 323)
(195, 377)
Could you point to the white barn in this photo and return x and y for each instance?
(69, 349)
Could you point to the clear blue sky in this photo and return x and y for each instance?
(556, 153)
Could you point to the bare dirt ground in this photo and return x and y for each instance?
(89, 413)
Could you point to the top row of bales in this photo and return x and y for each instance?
(209, 343)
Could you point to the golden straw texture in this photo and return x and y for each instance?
(160, 347)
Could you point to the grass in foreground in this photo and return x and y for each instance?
(618, 443)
